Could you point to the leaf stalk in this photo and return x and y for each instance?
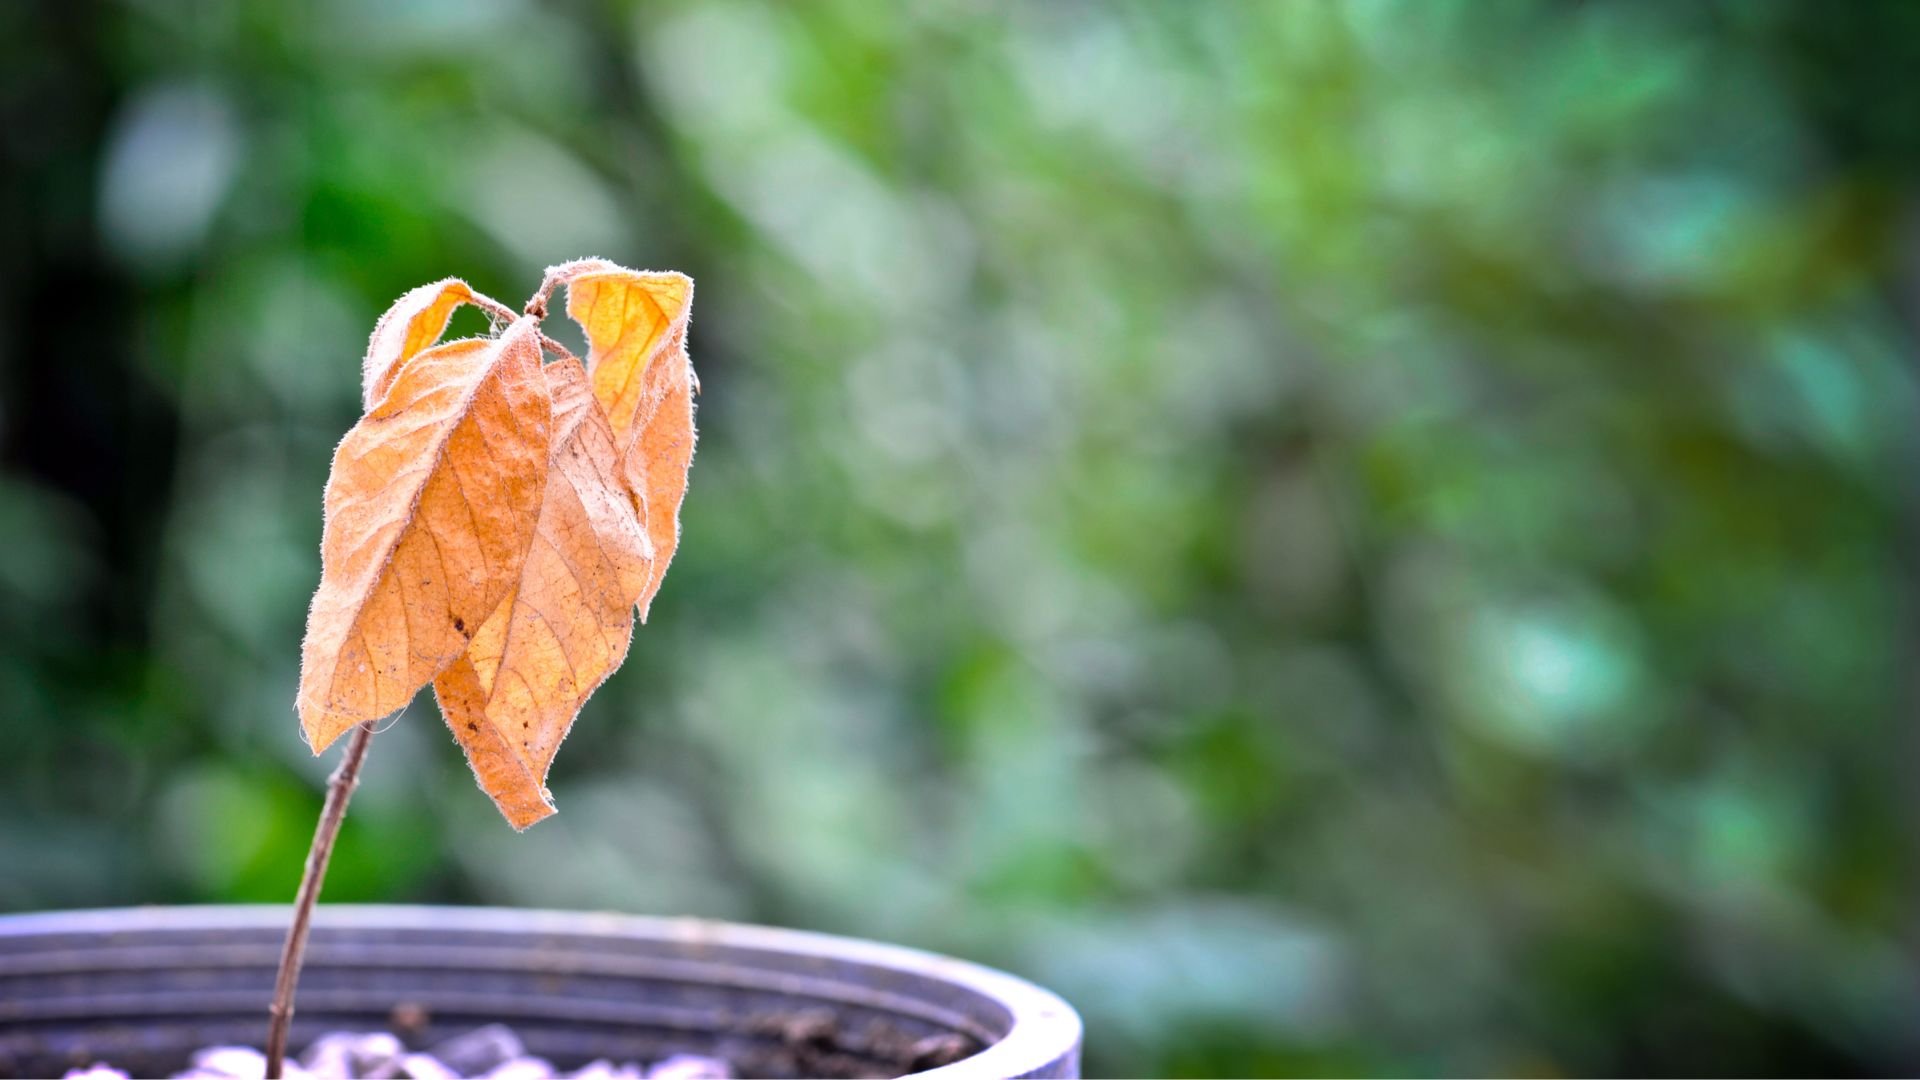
(536, 307)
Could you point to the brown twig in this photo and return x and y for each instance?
(557, 349)
(493, 307)
(339, 789)
(537, 307)
(558, 274)
(537, 303)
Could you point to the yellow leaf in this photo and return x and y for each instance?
(567, 623)
(636, 327)
(414, 322)
(631, 319)
(431, 506)
(656, 465)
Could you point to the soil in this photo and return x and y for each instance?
(815, 1044)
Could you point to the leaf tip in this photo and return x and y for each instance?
(527, 819)
(316, 731)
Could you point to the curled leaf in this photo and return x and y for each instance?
(414, 322)
(430, 509)
(636, 327)
(567, 623)
(656, 465)
(631, 319)
(492, 525)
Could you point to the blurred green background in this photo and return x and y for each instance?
(1342, 537)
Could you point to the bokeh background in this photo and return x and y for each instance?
(1343, 537)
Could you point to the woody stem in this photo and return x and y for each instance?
(339, 789)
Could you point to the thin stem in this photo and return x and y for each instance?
(537, 303)
(493, 307)
(566, 271)
(339, 789)
(558, 349)
(535, 307)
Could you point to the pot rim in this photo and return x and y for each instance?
(1044, 1027)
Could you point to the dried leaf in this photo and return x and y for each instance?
(636, 326)
(656, 465)
(631, 319)
(492, 525)
(567, 623)
(430, 509)
(414, 322)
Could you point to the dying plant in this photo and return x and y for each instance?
(495, 523)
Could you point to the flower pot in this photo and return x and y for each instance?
(142, 988)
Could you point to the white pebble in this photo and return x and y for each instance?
(607, 1070)
(522, 1068)
(345, 1055)
(690, 1067)
(425, 1067)
(237, 1062)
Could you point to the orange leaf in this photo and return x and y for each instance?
(656, 465)
(636, 326)
(414, 322)
(567, 623)
(631, 319)
(492, 525)
(430, 509)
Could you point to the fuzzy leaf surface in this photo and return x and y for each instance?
(409, 327)
(568, 620)
(636, 328)
(430, 509)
